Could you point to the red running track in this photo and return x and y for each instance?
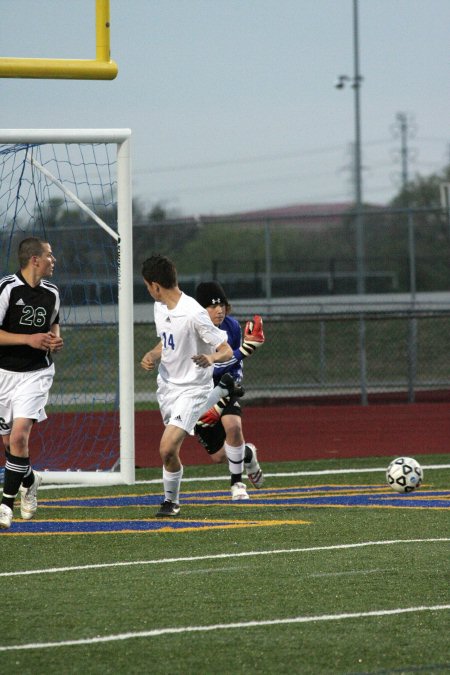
(281, 433)
(317, 432)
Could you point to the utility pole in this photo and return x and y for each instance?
(403, 128)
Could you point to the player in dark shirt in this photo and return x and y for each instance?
(219, 430)
(29, 334)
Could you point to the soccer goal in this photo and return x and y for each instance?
(73, 188)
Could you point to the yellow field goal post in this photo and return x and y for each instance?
(100, 68)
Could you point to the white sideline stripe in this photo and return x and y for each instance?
(324, 472)
(206, 479)
(222, 626)
(221, 556)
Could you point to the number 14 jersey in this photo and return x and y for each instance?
(185, 330)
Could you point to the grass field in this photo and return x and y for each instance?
(325, 570)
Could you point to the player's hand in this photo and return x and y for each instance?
(56, 343)
(203, 360)
(147, 362)
(210, 417)
(253, 336)
(40, 341)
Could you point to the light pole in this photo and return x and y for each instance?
(355, 82)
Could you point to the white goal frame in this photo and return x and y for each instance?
(123, 236)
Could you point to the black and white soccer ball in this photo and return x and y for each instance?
(404, 474)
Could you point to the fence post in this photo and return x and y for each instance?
(362, 360)
(412, 324)
(268, 258)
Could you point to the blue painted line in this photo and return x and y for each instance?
(132, 500)
(152, 500)
(86, 526)
(350, 500)
(362, 496)
(73, 527)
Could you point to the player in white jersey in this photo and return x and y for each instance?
(29, 333)
(189, 347)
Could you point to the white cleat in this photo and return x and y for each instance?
(28, 498)
(253, 469)
(238, 492)
(6, 516)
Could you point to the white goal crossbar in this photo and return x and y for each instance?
(121, 138)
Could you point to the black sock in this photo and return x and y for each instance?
(15, 469)
(28, 479)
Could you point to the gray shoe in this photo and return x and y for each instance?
(234, 388)
(28, 498)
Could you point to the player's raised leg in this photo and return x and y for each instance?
(252, 466)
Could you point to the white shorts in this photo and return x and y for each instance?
(23, 395)
(181, 405)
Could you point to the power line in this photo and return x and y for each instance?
(249, 160)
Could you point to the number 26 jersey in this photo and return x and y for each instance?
(26, 310)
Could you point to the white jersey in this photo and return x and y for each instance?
(185, 331)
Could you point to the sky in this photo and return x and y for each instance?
(232, 103)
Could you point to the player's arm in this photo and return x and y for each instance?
(253, 338)
(36, 340)
(151, 358)
(57, 342)
(223, 353)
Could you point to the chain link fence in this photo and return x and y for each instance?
(302, 274)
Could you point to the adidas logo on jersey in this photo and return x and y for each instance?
(20, 302)
(168, 319)
(178, 418)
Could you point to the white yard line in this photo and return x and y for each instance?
(224, 626)
(287, 474)
(221, 556)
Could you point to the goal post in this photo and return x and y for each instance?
(73, 188)
(100, 68)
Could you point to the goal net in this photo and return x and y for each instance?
(73, 189)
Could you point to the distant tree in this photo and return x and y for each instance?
(158, 213)
(431, 229)
(422, 191)
(159, 231)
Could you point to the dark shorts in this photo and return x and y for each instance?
(213, 438)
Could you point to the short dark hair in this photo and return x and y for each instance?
(160, 270)
(28, 248)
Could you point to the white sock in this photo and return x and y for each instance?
(214, 396)
(235, 456)
(172, 483)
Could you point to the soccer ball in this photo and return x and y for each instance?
(404, 474)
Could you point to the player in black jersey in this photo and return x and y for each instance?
(29, 334)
